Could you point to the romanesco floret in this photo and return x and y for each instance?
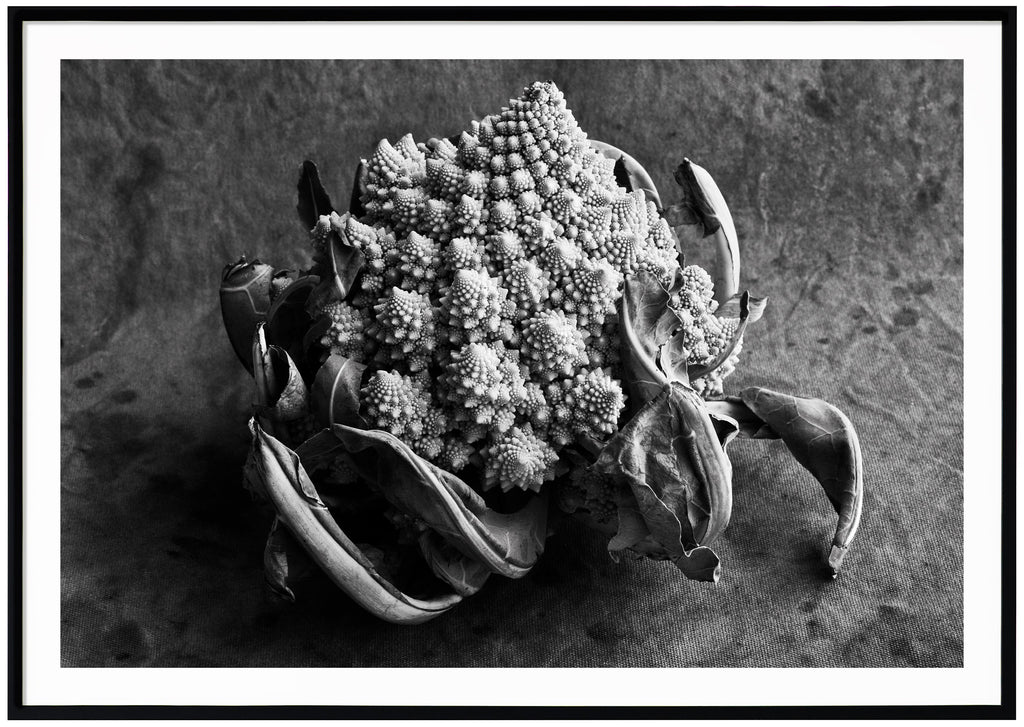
(479, 387)
(399, 405)
(463, 253)
(472, 307)
(346, 332)
(705, 334)
(596, 400)
(552, 345)
(394, 403)
(519, 459)
(404, 329)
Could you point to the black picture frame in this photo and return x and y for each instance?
(19, 16)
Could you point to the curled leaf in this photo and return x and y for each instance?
(631, 530)
(706, 203)
(282, 478)
(820, 437)
(281, 394)
(734, 307)
(244, 304)
(508, 544)
(336, 391)
(672, 358)
(313, 198)
(823, 440)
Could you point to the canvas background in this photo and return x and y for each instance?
(845, 180)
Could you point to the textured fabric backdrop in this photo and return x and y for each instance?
(845, 179)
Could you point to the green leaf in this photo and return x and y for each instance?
(823, 440)
(335, 394)
(313, 199)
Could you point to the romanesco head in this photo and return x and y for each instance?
(494, 264)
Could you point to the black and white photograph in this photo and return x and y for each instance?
(524, 373)
(512, 363)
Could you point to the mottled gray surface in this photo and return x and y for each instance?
(845, 179)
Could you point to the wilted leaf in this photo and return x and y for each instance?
(726, 428)
(699, 564)
(277, 472)
(632, 529)
(823, 440)
(680, 215)
(646, 322)
(820, 437)
(335, 393)
(281, 393)
(733, 308)
(670, 457)
(313, 199)
(508, 544)
(672, 359)
(703, 198)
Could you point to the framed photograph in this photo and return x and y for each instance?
(513, 363)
